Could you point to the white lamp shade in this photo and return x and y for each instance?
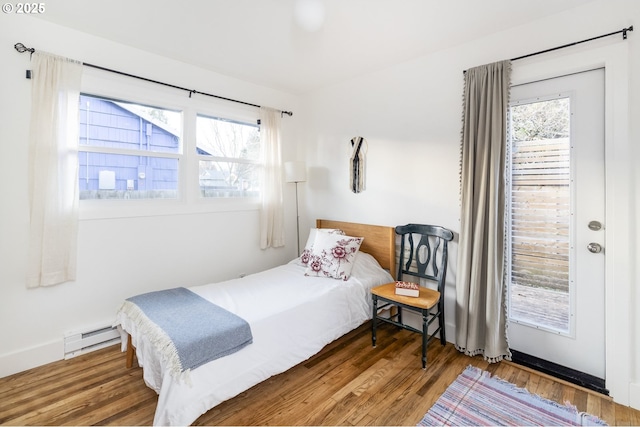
(295, 171)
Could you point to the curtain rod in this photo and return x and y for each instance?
(624, 37)
(22, 48)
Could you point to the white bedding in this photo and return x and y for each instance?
(292, 317)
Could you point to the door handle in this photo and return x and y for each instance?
(594, 248)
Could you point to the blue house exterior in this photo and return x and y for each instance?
(111, 124)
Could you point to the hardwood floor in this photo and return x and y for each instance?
(347, 383)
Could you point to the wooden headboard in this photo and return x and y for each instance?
(379, 241)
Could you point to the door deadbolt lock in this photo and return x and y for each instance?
(594, 248)
(595, 225)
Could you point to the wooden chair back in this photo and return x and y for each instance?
(424, 253)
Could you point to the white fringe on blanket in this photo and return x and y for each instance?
(158, 338)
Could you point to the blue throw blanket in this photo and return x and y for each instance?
(197, 330)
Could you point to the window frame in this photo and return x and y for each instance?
(106, 85)
(179, 155)
(238, 160)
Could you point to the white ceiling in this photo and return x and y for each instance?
(263, 41)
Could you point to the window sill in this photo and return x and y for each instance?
(114, 209)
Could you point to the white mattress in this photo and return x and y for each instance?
(292, 317)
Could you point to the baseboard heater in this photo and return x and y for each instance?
(79, 343)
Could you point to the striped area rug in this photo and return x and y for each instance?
(477, 399)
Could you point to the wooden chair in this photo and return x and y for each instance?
(423, 258)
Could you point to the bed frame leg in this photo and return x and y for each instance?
(131, 352)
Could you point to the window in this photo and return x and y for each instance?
(540, 195)
(229, 157)
(127, 150)
(130, 150)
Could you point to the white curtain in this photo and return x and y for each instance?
(272, 212)
(53, 170)
(480, 288)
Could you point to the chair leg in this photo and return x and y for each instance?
(425, 333)
(443, 337)
(373, 320)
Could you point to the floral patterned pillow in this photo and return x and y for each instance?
(308, 248)
(333, 256)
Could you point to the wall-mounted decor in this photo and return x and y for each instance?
(357, 164)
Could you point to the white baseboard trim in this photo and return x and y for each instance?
(29, 358)
(634, 395)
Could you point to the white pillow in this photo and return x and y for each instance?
(333, 256)
(367, 269)
(308, 247)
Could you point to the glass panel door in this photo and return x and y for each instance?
(556, 258)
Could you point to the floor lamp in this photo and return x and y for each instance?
(296, 172)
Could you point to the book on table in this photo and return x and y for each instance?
(409, 289)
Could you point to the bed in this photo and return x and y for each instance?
(292, 315)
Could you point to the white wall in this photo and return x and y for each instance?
(410, 115)
(118, 257)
